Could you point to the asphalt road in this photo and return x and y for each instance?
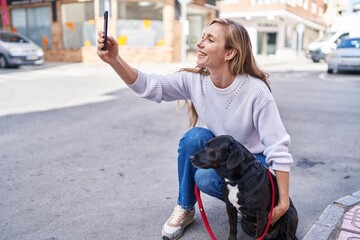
(83, 158)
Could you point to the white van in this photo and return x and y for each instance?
(344, 26)
(319, 49)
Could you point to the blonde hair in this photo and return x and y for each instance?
(237, 38)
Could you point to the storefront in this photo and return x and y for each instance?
(145, 30)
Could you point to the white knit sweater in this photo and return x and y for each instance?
(246, 110)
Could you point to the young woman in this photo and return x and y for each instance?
(229, 94)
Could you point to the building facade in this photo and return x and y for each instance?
(277, 27)
(147, 30)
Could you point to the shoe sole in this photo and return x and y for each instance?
(181, 233)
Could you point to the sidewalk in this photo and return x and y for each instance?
(339, 221)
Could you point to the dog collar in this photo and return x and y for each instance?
(247, 175)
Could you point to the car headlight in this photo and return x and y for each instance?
(39, 52)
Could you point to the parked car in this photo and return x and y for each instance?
(319, 49)
(16, 50)
(346, 57)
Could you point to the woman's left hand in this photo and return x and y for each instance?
(279, 211)
(283, 204)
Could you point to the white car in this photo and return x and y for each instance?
(16, 50)
(346, 57)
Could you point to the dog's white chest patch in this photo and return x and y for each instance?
(233, 191)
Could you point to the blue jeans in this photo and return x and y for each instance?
(207, 180)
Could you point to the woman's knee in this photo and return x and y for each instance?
(196, 136)
(208, 181)
(201, 180)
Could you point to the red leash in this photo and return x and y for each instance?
(206, 222)
(203, 214)
(272, 206)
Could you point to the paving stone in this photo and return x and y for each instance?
(331, 216)
(348, 236)
(351, 221)
(318, 232)
(356, 194)
(327, 226)
(348, 200)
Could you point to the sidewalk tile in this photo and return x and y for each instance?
(348, 200)
(351, 220)
(348, 236)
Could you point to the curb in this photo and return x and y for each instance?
(339, 221)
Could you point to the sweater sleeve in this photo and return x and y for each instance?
(162, 88)
(273, 135)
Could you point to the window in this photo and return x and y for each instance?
(291, 3)
(140, 10)
(350, 43)
(78, 24)
(313, 8)
(12, 38)
(342, 37)
(140, 23)
(35, 23)
(306, 4)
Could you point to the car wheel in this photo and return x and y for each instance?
(3, 63)
(330, 70)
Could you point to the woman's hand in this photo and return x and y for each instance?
(279, 211)
(109, 55)
(282, 179)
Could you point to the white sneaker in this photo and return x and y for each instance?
(177, 222)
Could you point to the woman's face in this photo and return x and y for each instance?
(211, 48)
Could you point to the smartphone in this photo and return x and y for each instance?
(106, 16)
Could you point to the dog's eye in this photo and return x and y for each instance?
(209, 149)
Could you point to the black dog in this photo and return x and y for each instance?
(247, 189)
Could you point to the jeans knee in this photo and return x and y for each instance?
(196, 138)
(201, 181)
(209, 182)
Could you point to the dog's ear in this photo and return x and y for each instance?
(235, 156)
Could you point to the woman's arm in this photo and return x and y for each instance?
(276, 140)
(112, 57)
(283, 205)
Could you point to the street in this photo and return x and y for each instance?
(83, 158)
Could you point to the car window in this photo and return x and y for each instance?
(326, 36)
(350, 43)
(12, 38)
(342, 37)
